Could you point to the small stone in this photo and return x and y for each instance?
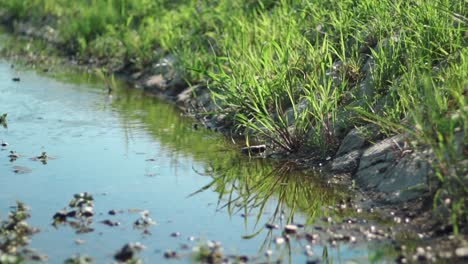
(290, 229)
(112, 212)
(87, 211)
(60, 216)
(401, 260)
(175, 234)
(244, 258)
(128, 251)
(269, 253)
(79, 241)
(170, 254)
(279, 240)
(308, 252)
(420, 251)
(271, 226)
(445, 254)
(461, 252)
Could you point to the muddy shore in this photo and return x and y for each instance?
(389, 173)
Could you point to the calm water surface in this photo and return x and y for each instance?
(134, 152)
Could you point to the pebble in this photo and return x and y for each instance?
(461, 252)
(290, 229)
(79, 241)
(170, 254)
(271, 226)
(110, 223)
(279, 240)
(175, 234)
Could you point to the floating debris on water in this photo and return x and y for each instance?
(290, 229)
(128, 252)
(175, 234)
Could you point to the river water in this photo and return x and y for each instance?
(133, 152)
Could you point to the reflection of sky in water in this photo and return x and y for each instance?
(123, 165)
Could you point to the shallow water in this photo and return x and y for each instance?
(132, 151)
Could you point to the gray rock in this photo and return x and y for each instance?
(387, 167)
(370, 177)
(383, 151)
(346, 163)
(354, 140)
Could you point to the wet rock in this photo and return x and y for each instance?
(60, 216)
(170, 254)
(165, 78)
(290, 229)
(16, 79)
(271, 226)
(112, 212)
(71, 213)
(244, 259)
(144, 221)
(128, 251)
(312, 237)
(87, 211)
(110, 223)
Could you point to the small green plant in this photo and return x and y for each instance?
(3, 120)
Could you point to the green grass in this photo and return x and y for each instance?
(286, 72)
